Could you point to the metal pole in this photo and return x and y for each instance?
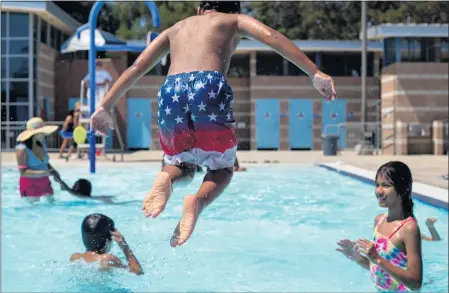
(364, 53)
(92, 83)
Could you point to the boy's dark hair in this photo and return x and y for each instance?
(96, 231)
(82, 187)
(221, 6)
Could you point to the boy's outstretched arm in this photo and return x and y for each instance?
(101, 120)
(158, 48)
(251, 28)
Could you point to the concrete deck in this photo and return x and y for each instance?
(427, 169)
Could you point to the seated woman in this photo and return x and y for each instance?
(98, 231)
(33, 161)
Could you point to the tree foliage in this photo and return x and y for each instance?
(297, 20)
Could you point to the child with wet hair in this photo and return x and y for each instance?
(97, 232)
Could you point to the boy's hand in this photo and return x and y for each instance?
(118, 237)
(101, 121)
(325, 85)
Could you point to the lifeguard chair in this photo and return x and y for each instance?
(84, 118)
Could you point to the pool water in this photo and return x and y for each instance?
(273, 230)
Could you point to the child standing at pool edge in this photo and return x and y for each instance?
(196, 124)
(393, 257)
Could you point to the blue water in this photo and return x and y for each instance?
(273, 230)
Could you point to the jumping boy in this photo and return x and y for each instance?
(196, 124)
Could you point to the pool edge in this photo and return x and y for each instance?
(425, 198)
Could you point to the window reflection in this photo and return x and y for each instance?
(18, 67)
(19, 24)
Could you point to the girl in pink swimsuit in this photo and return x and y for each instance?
(393, 256)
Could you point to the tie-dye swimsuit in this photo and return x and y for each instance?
(386, 249)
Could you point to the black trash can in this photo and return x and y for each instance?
(330, 144)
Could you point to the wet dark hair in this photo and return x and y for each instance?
(400, 176)
(82, 187)
(96, 231)
(221, 6)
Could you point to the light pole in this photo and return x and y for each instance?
(364, 53)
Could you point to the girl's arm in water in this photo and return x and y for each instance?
(430, 223)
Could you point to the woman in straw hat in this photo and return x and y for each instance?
(32, 159)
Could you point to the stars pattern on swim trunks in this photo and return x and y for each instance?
(174, 104)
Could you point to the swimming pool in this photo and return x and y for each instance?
(274, 230)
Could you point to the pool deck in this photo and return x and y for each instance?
(428, 170)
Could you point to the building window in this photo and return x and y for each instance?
(4, 118)
(3, 67)
(239, 66)
(18, 113)
(389, 51)
(58, 40)
(3, 92)
(418, 50)
(346, 64)
(18, 47)
(43, 31)
(18, 92)
(36, 32)
(19, 25)
(268, 63)
(18, 67)
(444, 47)
(52, 42)
(4, 26)
(15, 67)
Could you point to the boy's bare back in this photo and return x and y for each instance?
(203, 42)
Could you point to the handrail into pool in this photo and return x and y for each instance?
(428, 194)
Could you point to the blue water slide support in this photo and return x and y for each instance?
(92, 59)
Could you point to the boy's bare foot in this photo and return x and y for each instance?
(158, 195)
(187, 224)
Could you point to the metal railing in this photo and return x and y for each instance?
(9, 132)
(85, 100)
(355, 135)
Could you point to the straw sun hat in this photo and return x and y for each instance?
(34, 126)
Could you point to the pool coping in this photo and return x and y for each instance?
(432, 195)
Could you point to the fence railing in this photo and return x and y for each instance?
(355, 135)
(9, 132)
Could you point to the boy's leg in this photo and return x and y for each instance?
(161, 190)
(214, 183)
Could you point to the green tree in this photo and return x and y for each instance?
(80, 10)
(341, 20)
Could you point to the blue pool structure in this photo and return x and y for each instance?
(274, 229)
